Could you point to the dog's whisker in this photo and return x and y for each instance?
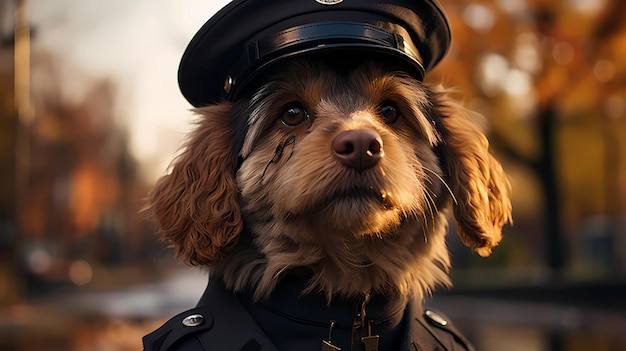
(445, 184)
(424, 218)
(431, 205)
(280, 271)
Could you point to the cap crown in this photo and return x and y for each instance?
(246, 37)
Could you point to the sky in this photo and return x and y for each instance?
(137, 44)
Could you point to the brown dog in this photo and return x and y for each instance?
(344, 175)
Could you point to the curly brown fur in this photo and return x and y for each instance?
(291, 203)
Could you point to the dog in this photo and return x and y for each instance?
(319, 179)
(339, 180)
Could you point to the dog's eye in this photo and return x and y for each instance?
(293, 115)
(389, 112)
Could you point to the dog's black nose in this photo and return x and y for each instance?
(359, 149)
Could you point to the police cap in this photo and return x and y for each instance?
(243, 39)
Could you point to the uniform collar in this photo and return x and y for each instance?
(288, 309)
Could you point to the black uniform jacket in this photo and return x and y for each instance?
(290, 321)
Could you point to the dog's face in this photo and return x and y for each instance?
(347, 172)
(333, 157)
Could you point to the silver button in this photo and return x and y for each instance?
(228, 84)
(194, 320)
(435, 317)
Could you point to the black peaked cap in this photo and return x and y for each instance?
(246, 37)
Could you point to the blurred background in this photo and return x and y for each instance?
(90, 117)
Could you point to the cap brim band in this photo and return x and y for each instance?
(296, 41)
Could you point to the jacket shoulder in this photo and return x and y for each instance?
(219, 322)
(446, 334)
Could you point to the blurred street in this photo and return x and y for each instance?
(106, 318)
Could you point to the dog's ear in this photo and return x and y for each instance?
(476, 179)
(196, 205)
